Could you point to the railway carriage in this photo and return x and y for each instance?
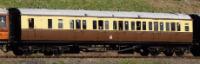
(54, 32)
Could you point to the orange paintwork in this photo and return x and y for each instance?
(3, 35)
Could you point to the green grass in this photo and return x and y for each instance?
(181, 6)
(125, 5)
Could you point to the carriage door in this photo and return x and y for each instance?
(31, 31)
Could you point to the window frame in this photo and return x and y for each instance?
(138, 25)
(115, 25)
(150, 26)
(94, 25)
(161, 26)
(3, 22)
(84, 24)
(120, 25)
(60, 23)
(144, 25)
(102, 24)
(187, 27)
(132, 25)
(173, 26)
(31, 23)
(50, 24)
(178, 25)
(168, 28)
(72, 25)
(126, 25)
(78, 24)
(156, 26)
(106, 25)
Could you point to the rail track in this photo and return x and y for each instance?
(98, 55)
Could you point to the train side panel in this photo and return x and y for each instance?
(41, 32)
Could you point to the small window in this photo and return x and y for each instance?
(178, 27)
(132, 25)
(60, 23)
(144, 25)
(126, 25)
(72, 24)
(94, 24)
(120, 24)
(84, 24)
(173, 27)
(167, 26)
(138, 24)
(106, 25)
(186, 28)
(31, 23)
(150, 25)
(114, 25)
(100, 24)
(155, 26)
(78, 24)
(2, 22)
(161, 26)
(50, 23)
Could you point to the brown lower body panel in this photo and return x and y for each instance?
(90, 35)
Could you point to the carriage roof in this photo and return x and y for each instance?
(59, 12)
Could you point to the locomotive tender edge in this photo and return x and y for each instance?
(61, 31)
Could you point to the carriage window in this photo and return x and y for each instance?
(78, 24)
(132, 25)
(100, 24)
(186, 27)
(114, 25)
(150, 25)
(106, 25)
(2, 21)
(173, 26)
(60, 23)
(31, 23)
(120, 24)
(167, 26)
(84, 24)
(94, 24)
(72, 24)
(161, 26)
(178, 27)
(144, 25)
(155, 26)
(138, 24)
(126, 25)
(49, 23)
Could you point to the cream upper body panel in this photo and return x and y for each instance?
(41, 22)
